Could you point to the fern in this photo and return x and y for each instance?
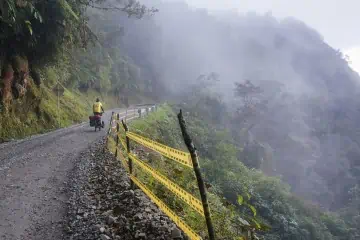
(28, 25)
(69, 9)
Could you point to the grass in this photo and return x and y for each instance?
(38, 111)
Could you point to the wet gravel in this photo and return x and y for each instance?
(102, 206)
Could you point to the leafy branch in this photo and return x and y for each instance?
(131, 7)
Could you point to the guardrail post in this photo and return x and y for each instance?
(139, 112)
(117, 140)
(190, 145)
(128, 151)
(109, 131)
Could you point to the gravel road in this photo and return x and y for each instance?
(34, 174)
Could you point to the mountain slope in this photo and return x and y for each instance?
(311, 92)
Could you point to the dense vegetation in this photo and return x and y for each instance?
(228, 224)
(63, 43)
(288, 216)
(300, 122)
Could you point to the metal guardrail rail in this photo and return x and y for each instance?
(119, 129)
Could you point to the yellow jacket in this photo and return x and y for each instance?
(97, 107)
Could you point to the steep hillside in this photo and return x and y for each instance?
(306, 112)
(288, 216)
(69, 44)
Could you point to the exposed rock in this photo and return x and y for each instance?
(107, 213)
(176, 233)
(104, 237)
(110, 220)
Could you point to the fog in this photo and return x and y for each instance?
(194, 42)
(311, 121)
(341, 32)
(336, 20)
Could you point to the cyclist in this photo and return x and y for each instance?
(98, 108)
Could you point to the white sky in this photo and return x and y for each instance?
(337, 20)
(354, 54)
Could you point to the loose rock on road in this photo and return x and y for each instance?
(102, 205)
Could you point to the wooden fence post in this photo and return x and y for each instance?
(189, 144)
(109, 131)
(128, 151)
(117, 141)
(117, 135)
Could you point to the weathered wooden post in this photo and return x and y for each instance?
(109, 131)
(189, 144)
(128, 151)
(139, 112)
(117, 138)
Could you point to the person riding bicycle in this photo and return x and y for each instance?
(98, 108)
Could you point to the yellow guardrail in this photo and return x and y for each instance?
(178, 191)
(172, 153)
(178, 156)
(121, 125)
(177, 220)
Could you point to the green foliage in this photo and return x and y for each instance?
(102, 66)
(104, 77)
(259, 200)
(53, 36)
(38, 113)
(51, 76)
(65, 5)
(162, 127)
(52, 32)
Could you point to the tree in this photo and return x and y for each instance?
(35, 33)
(251, 104)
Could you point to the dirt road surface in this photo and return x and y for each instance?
(33, 178)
